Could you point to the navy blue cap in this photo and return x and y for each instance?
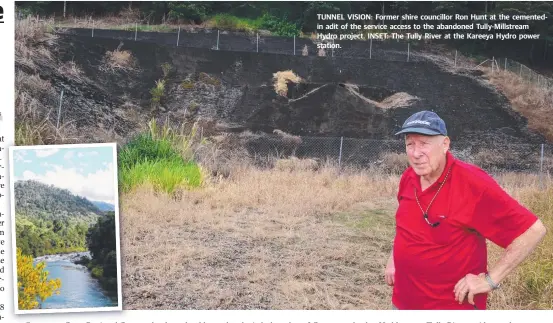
(424, 122)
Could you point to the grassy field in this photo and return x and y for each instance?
(277, 239)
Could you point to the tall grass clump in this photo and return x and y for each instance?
(537, 273)
(161, 158)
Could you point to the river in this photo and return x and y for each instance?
(78, 288)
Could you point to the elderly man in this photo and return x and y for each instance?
(447, 210)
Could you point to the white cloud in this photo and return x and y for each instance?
(98, 186)
(69, 155)
(20, 157)
(41, 153)
(90, 154)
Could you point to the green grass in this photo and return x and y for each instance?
(161, 158)
(277, 26)
(165, 175)
(158, 92)
(147, 28)
(230, 22)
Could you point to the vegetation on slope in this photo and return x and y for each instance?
(38, 237)
(295, 18)
(102, 244)
(51, 220)
(38, 200)
(162, 158)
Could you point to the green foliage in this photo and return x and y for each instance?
(35, 199)
(196, 12)
(38, 237)
(146, 148)
(158, 92)
(161, 157)
(101, 241)
(165, 175)
(279, 26)
(33, 285)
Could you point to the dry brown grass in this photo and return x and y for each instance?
(282, 78)
(530, 286)
(277, 239)
(71, 69)
(32, 39)
(532, 101)
(393, 163)
(265, 239)
(119, 60)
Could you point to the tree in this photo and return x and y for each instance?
(33, 284)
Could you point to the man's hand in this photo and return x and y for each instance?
(471, 285)
(390, 271)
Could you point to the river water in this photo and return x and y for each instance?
(78, 288)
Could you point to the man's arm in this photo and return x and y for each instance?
(513, 255)
(517, 251)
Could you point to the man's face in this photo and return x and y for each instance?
(426, 153)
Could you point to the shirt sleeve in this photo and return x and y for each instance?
(499, 217)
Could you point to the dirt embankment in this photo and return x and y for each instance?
(337, 97)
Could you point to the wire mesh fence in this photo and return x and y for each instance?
(390, 155)
(216, 39)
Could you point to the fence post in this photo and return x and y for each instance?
(455, 58)
(135, 30)
(371, 49)
(294, 44)
(340, 156)
(178, 37)
(59, 110)
(541, 167)
(217, 39)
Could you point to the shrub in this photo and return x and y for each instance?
(157, 92)
(145, 148)
(160, 157)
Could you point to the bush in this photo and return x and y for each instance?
(145, 148)
(165, 175)
(157, 158)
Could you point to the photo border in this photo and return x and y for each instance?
(119, 306)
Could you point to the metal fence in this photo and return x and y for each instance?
(391, 50)
(527, 74)
(389, 155)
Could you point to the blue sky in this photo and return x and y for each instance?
(85, 171)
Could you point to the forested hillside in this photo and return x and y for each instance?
(40, 201)
(294, 18)
(51, 220)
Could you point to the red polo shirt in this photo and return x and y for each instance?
(429, 261)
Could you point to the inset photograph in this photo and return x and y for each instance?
(65, 228)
